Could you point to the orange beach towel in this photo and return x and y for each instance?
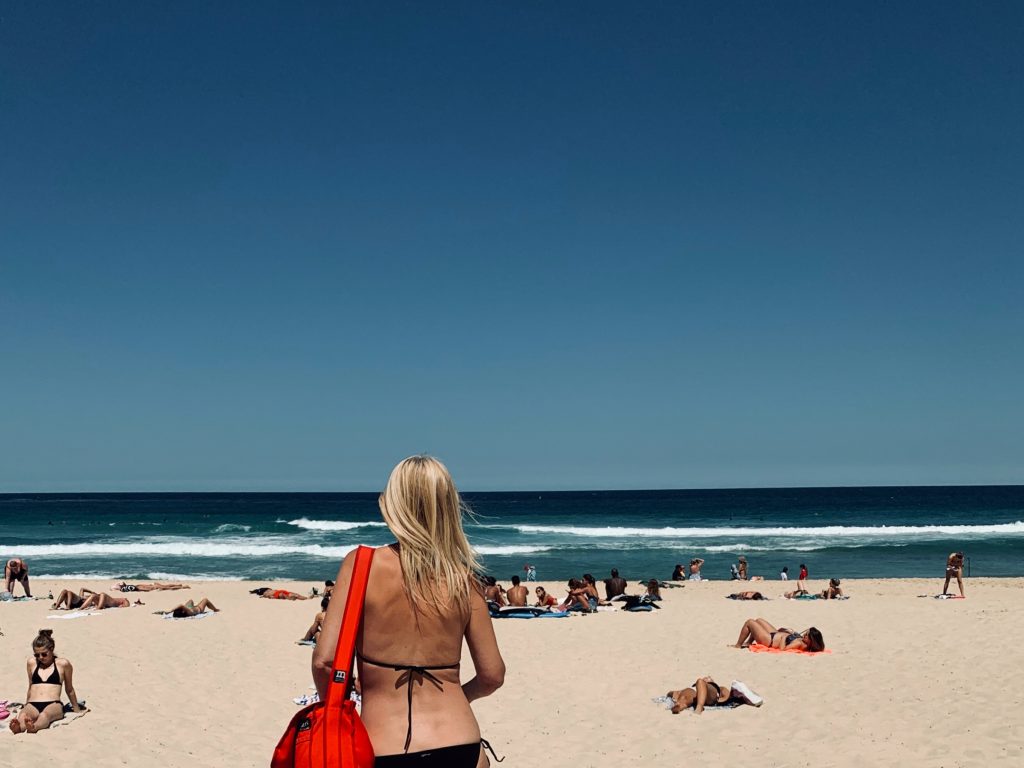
(758, 648)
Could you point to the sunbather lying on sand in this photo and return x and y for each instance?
(277, 594)
(189, 609)
(154, 587)
(101, 600)
(760, 631)
(747, 596)
(705, 692)
(68, 600)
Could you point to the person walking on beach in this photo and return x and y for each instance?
(614, 586)
(531, 572)
(422, 601)
(16, 571)
(517, 594)
(803, 573)
(954, 568)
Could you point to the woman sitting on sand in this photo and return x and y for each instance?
(577, 598)
(705, 692)
(277, 594)
(313, 633)
(190, 609)
(761, 632)
(653, 590)
(154, 587)
(832, 591)
(42, 702)
(101, 600)
(544, 600)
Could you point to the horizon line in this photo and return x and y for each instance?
(534, 490)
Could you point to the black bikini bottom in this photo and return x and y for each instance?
(41, 705)
(459, 756)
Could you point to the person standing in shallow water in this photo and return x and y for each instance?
(422, 601)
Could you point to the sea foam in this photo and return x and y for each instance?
(1002, 529)
(333, 525)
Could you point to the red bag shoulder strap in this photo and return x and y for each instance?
(344, 653)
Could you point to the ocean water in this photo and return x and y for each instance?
(842, 532)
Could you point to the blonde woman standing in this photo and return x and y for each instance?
(422, 599)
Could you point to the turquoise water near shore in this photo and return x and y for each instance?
(843, 532)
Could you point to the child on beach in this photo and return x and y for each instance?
(43, 701)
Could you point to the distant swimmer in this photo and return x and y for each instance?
(16, 572)
(46, 676)
(154, 587)
(278, 594)
(954, 567)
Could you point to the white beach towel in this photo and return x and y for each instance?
(74, 615)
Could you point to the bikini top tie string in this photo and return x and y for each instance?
(412, 669)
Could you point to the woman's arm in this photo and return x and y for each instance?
(323, 654)
(69, 687)
(483, 647)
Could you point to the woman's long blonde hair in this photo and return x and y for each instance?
(422, 508)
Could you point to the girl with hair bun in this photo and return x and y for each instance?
(46, 675)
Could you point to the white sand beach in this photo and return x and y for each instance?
(910, 681)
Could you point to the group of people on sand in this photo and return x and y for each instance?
(581, 594)
(85, 598)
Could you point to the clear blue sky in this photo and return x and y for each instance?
(279, 246)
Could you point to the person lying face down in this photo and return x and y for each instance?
(705, 692)
(277, 594)
(747, 596)
(760, 631)
(544, 600)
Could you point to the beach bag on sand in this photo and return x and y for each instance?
(330, 734)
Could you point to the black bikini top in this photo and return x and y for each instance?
(412, 669)
(49, 680)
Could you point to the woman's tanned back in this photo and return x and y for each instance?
(394, 632)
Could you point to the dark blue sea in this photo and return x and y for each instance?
(844, 532)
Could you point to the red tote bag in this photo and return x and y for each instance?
(329, 734)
